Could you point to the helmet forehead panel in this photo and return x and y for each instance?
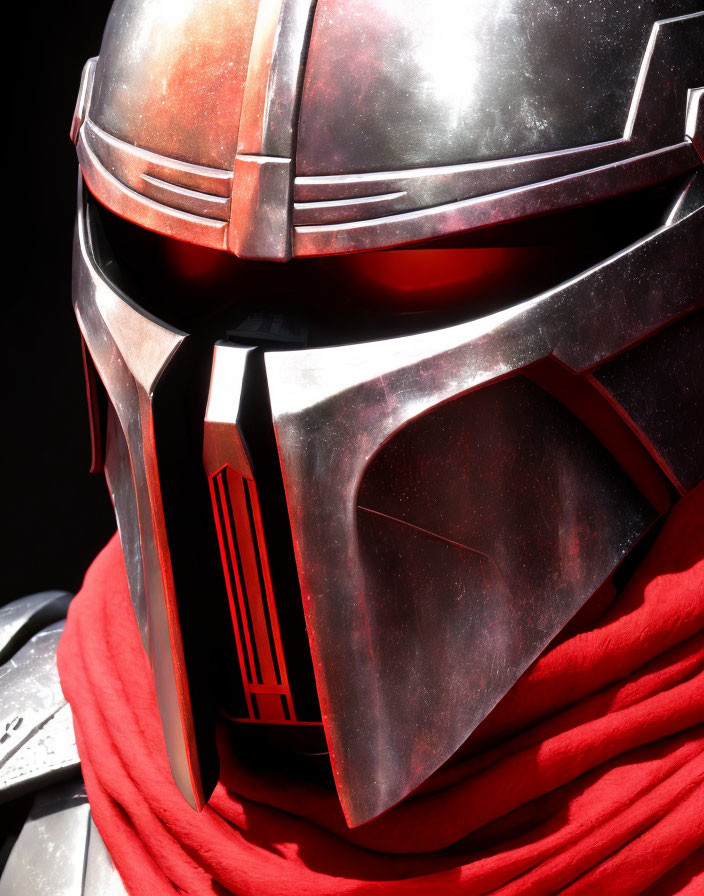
(171, 75)
(288, 128)
(490, 80)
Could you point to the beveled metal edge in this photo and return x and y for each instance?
(316, 393)
(137, 162)
(130, 350)
(85, 92)
(38, 743)
(149, 213)
(336, 199)
(695, 120)
(635, 112)
(202, 191)
(484, 211)
(222, 441)
(269, 106)
(260, 223)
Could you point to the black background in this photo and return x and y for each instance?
(56, 516)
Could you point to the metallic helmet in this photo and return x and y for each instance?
(360, 492)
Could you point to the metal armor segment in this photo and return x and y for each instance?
(22, 618)
(57, 827)
(37, 742)
(257, 87)
(103, 180)
(404, 84)
(341, 211)
(130, 352)
(387, 230)
(242, 545)
(49, 754)
(119, 476)
(31, 691)
(660, 385)
(171, 76)
(695, 120)
(83, 99)
(59, 851)
(195, 189)
(263, 170)
(671, 64)
(333, 409)
(482, 527)
(349, 212)
(377, 164)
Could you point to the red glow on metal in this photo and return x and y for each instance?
(199, 263)
(251, 597)
(413, 277)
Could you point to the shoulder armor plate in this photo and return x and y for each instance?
(23, 618)
(59, 851)
(37, 743)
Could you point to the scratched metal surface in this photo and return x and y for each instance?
(294, 128)
(408, 84)
(59, 851)
(37, 741)
(333, 410)
(171, 76)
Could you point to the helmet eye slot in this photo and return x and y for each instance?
(371, 295)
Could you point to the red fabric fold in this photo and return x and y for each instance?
(588, 778)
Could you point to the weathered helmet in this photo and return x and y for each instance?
(365, 491)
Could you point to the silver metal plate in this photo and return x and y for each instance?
(335, 408)
(337, 127)
(101, 877)
(660, 386)
(36, 731)
(130, 351)
(405, 84)
(59, 851)
(22, 618)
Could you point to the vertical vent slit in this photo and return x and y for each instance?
(262, 584)
(246, 570)
(218, 488)
(240, 571)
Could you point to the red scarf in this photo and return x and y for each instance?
(587, 778)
